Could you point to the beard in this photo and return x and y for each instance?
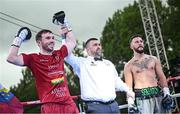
(139, 51)
(47, 48)
(97, 53)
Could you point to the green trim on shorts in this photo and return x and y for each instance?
(150, 91)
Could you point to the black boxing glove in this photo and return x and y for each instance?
(59, 18)
(23, 34)
(167, 102)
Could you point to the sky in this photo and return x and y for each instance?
(87, 18)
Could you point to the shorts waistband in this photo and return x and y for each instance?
(100, 102)
(149, 92)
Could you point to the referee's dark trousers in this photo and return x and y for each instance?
(95, 107)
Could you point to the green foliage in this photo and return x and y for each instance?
(172, 29)
(26, 91)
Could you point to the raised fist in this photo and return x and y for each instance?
(23, 34)
(59, 18)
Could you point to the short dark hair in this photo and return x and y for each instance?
(90, 39)
(39, 34)
(134, 36)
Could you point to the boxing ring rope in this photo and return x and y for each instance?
(173, 78)
(39, 102)
(120, 106)
(76, 97)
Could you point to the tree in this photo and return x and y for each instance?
(172, 29)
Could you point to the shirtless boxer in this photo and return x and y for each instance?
(144, 74)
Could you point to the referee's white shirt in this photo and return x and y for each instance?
(99, 80)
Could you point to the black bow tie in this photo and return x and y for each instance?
(98, 58)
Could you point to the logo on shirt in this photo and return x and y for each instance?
(57, 58)
(51, 67)
(56, 73)
(43, 60)
(57, 81)
(92, 63)
(59, 92)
